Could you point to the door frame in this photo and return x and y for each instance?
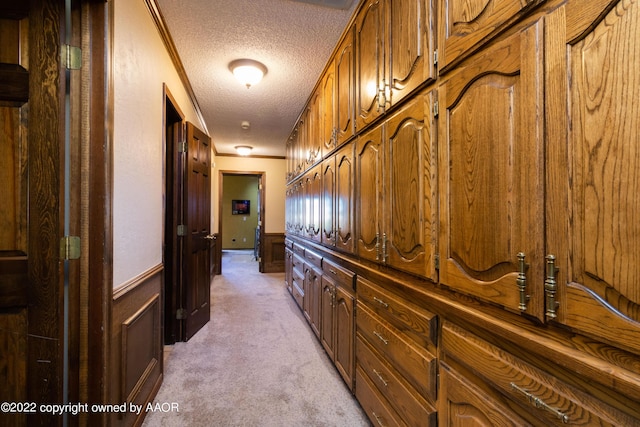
(172, 249)
(261, 189)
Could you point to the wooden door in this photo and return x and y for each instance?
(344, 69)
(491, 175)
(411, 47)
(328, 234)
(410, 189)
(344, 199)
(327, 304)
(371, 57)
(369, 164)
(345, 335)
(598, 258)
(197, 210)
(327, 106)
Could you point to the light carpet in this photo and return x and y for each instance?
(256, 363)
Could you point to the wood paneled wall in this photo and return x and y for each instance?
(273, 255)
(136, 344)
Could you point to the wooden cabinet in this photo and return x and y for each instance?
(371, 38)
(396, 353)
(338, 200)
(312, 203)
(595, 239)
(491, 130)
(288, 267)
(395, 196)
(466, 24)
(312, 290)
(545, 399)
(337, 333)
(344, 90)
(394, 50)
(328, 109)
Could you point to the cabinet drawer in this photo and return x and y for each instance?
(467, 23)
(417, 323)
(298, 263)
(374, 405)
(414, 410)
(297, 249)
(343, 277)
(313, 258)
(414, 363)
(545, 397)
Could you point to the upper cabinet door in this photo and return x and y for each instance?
(410, 203)
(465, 24)
(328, 205)
(345, 75)
(491, 178)
(600, 293)
(371, 72)
(328, 106)
(411, 47)
(344, 199)
(369, 158)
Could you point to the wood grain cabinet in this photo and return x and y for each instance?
(396, 191)
(396, 351)
(313, 203)
(491, 179)
(312, 289)
(595, 239)
(344, 90)
(338, 199)
(338, 319)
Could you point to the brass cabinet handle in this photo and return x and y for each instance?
(382, 303)
(521, 281)
(551, 287)
(380, 377)
(379, 335)
(377, 246)
(539, 403)
(378, 420)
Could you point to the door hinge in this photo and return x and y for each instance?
(183, 147)
(71, 57)
(182, 230)
(436, 109)
(70, 248)
(435, 58)
(436, 261)
(181, 314)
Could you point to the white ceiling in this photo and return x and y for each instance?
(293, 38)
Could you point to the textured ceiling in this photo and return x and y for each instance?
(294, 39)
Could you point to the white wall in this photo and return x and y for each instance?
(275, 186)
(141, 65)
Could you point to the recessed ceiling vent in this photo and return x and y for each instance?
(334, 4)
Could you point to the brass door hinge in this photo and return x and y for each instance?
(70, 248)
(71, 57)
(183, 147)
(181, 314)
(182, 230)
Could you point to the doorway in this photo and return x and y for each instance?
(238, 228)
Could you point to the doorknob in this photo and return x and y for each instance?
(210, 237)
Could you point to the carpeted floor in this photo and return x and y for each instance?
(256, 363)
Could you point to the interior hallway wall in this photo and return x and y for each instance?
(239, 229)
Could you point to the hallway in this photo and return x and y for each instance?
(256, 363)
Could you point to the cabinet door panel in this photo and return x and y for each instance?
(411, 47)
(345, 335)
(410, 195)
(369, 193)
(327, 329)
(344, 90)
(328, 194)
(492, 190)
(602, 296)
(344, 200)
(370, 36)
(327, 127)
(466, 23)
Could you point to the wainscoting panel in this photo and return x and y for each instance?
(273, 253)
(137, 350)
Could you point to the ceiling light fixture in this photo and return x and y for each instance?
(248, 71)
(243, 150)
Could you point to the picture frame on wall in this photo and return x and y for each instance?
(240, 207)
